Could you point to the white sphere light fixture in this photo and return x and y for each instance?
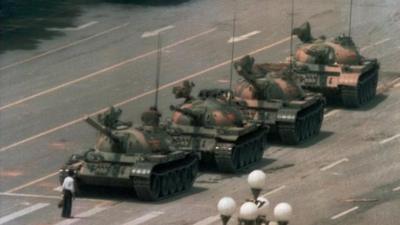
(257, 179)
(248, 211)
(263, 206)
(283, 212)
(226, 206)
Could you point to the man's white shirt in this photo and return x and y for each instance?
(68, 184)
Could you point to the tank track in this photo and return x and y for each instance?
(308, 124)
(364, 91)
(248, 150)
(167, 180)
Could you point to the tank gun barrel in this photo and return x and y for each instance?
(186, 112)
(102, 129)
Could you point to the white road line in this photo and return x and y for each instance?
(243, 37)
(22, 212)
(85, 77)
(29, 195)
(78, 217)
(156, 32)
(208, 220)
(389, 139)
(81, 27)
(63, 47)
(144, 218)
(31, 183)
(5, 148)
(375, 44)
(334, 164)
(276, 190)
(344, 213)
(58, 189)
(331, 113)
(396, 189)
(397, 85)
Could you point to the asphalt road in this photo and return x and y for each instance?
(346, 175)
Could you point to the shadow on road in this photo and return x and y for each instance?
(128, 195)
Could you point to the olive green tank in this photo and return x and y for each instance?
(271, 95)
(142, 158)
(213, 126)
(335, 68)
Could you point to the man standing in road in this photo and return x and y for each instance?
(68, 193)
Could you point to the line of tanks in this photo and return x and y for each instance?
(228, 128)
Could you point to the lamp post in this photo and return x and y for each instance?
(254, 212)
(226, 207)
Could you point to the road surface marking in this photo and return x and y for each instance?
(243, 37)
(331, 113)
(81, 27)
(63, 47)
(22, 212)
(156, 32)
(276, 190)
(58, 189)
(5, 148)
(389, 139)
(334, 164)
(78, 217)
(144, 219)
(375, 44)
(208, 220)
(397, 85)
(29, 195)
(396, 189)
(344, 213)
(31, 183)
(101, 71)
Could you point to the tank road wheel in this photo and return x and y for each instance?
(164, 185)
(171, 183)
(155, 186)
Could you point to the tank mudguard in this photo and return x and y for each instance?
(349, 79)
(287, 115)
(142, 170)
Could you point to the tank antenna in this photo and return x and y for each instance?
(350, 17)
(291, 38)
(158, 69)
(233, 44)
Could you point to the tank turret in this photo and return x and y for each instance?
(292, 114)
(335, 68)
(143, 157)
(216, 128)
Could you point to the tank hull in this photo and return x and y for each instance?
(230, 149)
(350, 85)
(156, 178)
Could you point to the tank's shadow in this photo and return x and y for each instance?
(312, 141)
(129, 195)
(379, 98)
(25, 23)
(149, 2)
(212, 169)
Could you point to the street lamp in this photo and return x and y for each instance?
(248, 213)
(226, 207)
(257, 181)
(283, 213)
(254, 212)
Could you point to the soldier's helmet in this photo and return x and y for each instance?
(303, 32)
(183, 90)
(151, 117)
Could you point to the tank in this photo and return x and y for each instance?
(142, 158)
(271, 95)
(213, 126)
(335, 68)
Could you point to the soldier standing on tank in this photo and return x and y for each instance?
(68, 188)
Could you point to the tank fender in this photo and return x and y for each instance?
(287, 115)
(142, 170)
(348, 79)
